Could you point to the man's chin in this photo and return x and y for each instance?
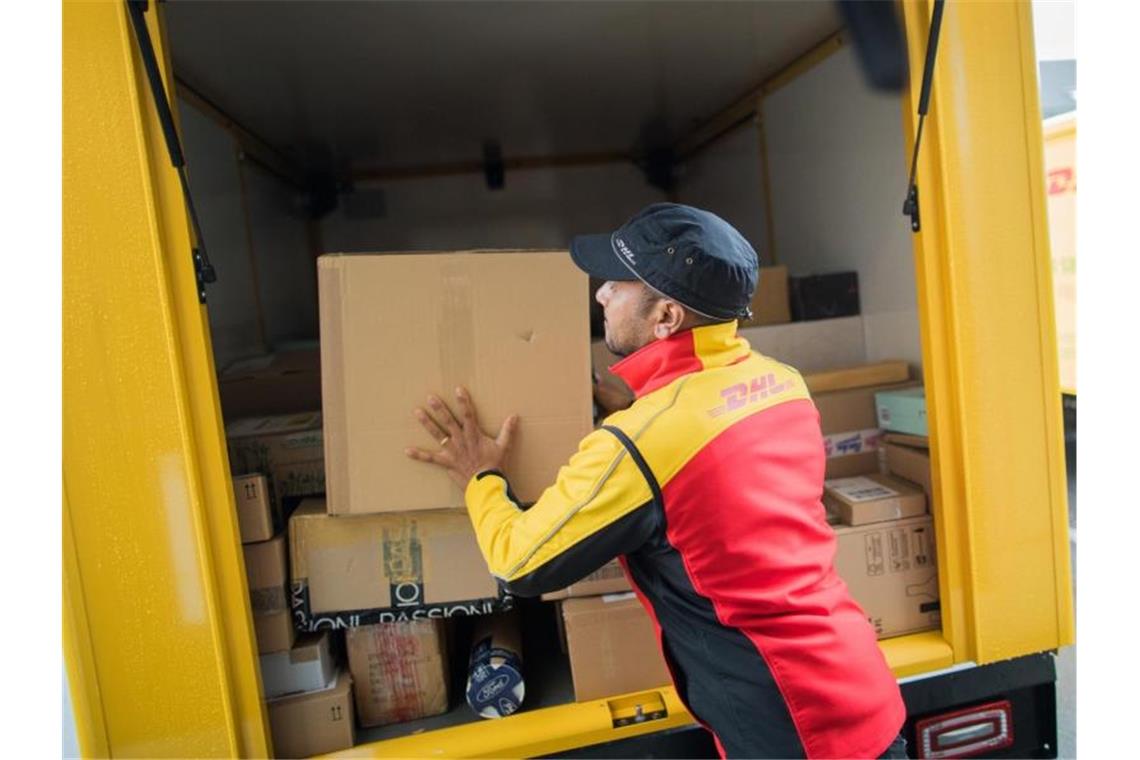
(616, 350)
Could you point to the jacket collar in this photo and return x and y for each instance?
(661, 362)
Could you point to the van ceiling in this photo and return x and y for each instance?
(344, 86)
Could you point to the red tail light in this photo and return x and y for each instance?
(964, 733)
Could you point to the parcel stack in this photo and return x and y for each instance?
(307, 695)
(878, 493)
(390, 553)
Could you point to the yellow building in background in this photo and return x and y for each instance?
(1060, 134)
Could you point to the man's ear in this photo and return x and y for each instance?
(670, 319)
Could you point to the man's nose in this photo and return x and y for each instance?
(603, 294)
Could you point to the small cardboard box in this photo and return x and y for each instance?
(314, 723)
(255, 512)
(267, 571)
(613, 647)
(607, 579)
(286, 382)
(872, 498)
(910, 463)
(851, 433)
(510, 326)
(274, 631)
(399, 671)
(308, 666)
(892, 573)
(288, 449)
(902, 411)
(362, 569)
(770, 301)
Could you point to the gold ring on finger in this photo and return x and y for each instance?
(444, 441)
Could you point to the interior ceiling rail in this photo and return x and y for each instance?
(423, 171)
(257, 149)
(745, 107)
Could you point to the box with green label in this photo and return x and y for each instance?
(902, 411)
(350, 570)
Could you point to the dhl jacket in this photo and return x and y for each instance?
(709, 490)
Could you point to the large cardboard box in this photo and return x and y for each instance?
(289, 449)
(510, 326)
(313, 723)
(308, 666)
(282, 383)
(770, 301)
(256, 517)
(851, 432)
(607, 579)
(361, 569)
(399, 671)
(613, 647)
(892, 573)
(872, 498)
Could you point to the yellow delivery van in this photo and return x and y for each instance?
(308, 128)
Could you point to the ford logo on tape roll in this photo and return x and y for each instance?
(493, 687)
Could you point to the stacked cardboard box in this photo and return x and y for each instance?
(885, 549)
(286, 382)
(315, 722)
(267, 572)
(363, 569)
(908, 457)
(287, 449)
(612, 645)
(891, 570)
(399, 670)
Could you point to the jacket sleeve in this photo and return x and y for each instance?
(600, 506)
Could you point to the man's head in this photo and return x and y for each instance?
(670, 268)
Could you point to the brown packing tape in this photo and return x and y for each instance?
(402, 552)
(457, 322)
(267, 600)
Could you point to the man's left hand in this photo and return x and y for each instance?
(465, 450)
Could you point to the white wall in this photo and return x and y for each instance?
(286, 260)
(265, 294)
(539, 208)
(725, 178)
(837, 165)
(212, 171)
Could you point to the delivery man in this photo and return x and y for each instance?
(708, 489)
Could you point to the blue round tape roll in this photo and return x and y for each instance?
(494, 689)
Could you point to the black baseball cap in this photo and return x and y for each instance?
(686, 254)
